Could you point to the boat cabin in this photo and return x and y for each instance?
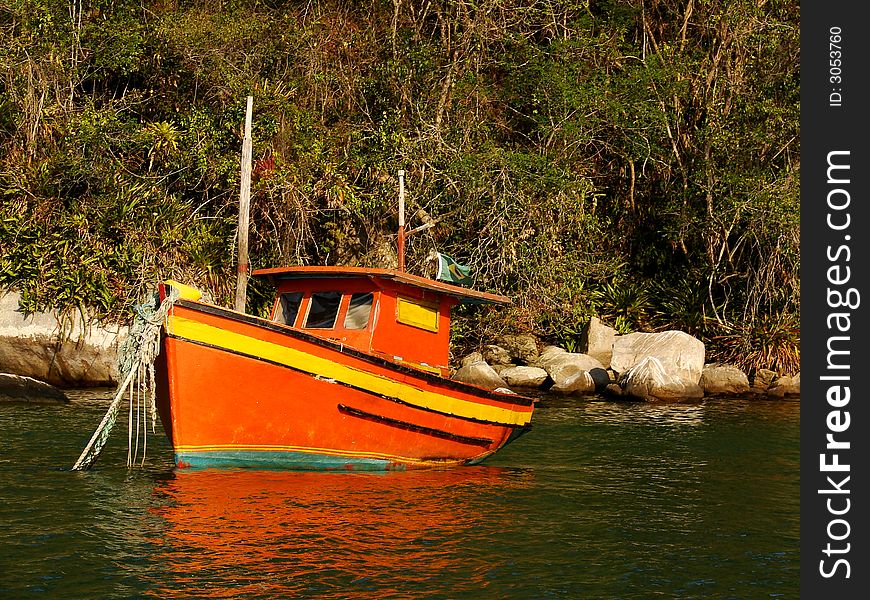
(391, 314)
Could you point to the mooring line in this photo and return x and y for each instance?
(138, 354)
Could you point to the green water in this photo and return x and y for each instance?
(601, 500)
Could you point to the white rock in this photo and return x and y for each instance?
(472, 358)
(785, 386)
(723, 379)
(649, 380)
(480, 374)
(496, 355)
(597, 341)
(64, 351)
(566, 370)
(580, 382)
(679, 354)
(527, 377)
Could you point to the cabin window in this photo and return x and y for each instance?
(322, 310)
(417, 313)
(288, 308)
(358, 311)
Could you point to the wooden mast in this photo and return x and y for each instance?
(243, 266)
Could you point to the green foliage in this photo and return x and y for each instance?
(771, 342)
(626, 304)
(681, 303)
(638, 163)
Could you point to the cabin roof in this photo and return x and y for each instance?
(463, 295)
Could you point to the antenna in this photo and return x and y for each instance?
(402, 220)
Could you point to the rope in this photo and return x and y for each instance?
(136, 365)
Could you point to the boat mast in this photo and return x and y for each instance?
(244, 210)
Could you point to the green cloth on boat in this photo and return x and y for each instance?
(452, 272)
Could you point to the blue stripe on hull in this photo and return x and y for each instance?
(294, 461)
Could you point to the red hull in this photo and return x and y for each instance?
(235, 390)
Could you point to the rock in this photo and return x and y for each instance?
(659, 366)
(547, 353)
(613, 389)
(523, 349)
(650, 380)
(67, 351)
(566, 370)
(580, 382)
(474, 357)
(762, 380)
(785, 386)
(680, 354)
(500, 368)
(496, 355)
(717, 379)
(526, 377)
(597, 341)
(480, 374)
(18, 388)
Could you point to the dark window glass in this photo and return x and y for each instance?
(289, 308)
(322, 310)
(358, 311)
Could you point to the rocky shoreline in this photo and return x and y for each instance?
(667, 366)
(45, 351)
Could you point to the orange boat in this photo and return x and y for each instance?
(350, 372)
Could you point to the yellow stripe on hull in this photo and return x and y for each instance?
(322, 367)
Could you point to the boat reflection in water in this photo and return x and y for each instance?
(302, 534)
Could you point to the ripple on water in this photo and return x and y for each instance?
(600, 499)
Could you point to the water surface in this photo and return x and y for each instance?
(600, 500)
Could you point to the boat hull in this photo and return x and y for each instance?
(236, 391)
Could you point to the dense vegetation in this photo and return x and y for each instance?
(636, 160)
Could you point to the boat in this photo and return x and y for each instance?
(349, 372)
